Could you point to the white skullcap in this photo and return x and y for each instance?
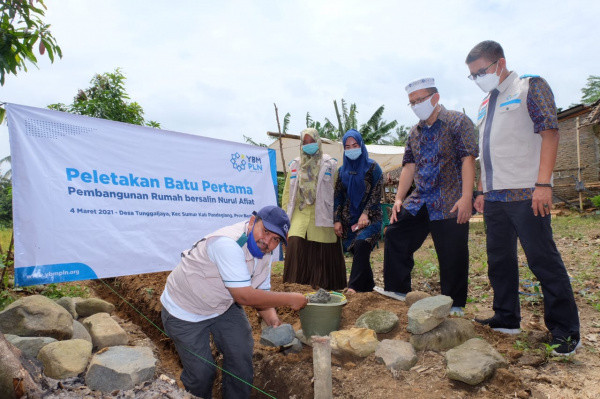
(419, 84)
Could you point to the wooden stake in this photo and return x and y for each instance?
(280, 143)
(322, 367)
(579, 168)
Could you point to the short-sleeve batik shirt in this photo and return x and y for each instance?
(437, 152)
(542, 111)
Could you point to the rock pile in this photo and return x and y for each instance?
(432, 329)
(469, 359)
(74, 337)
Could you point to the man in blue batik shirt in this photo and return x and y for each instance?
(440, 158)
(518, 138)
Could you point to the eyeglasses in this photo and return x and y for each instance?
(482, 72)
(419, 100)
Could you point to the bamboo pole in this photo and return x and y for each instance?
(579, 168)
(280, 143)
(322, 367)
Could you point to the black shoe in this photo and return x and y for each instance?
(501, 326)
(566, 346)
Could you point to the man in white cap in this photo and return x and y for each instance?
(440, 159)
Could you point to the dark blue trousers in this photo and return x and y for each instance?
(232, 336)
(405, 237)
(505, 221)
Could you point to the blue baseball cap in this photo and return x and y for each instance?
(276, 220)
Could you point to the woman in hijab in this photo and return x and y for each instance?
(358, 215)
(313, 254)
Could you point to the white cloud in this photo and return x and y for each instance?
(216, 68)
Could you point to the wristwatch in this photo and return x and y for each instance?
(477, 193)
(543, 185)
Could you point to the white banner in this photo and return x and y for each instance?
(95, 198)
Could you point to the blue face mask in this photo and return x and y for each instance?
(353, 153)
(311, 148)
(253, 247)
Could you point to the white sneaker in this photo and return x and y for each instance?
(395, 295)
(457, 311)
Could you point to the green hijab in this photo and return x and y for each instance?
(309, 170)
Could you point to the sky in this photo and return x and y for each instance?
(215, 68)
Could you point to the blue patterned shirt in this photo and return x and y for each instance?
(437, 152)
(542, 111)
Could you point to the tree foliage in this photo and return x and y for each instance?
(376, 128)
(348, 117)
(5, 194)
(400, 138)
(5, 203)
(249, 140)
(374, 131)
(21, 28)
(326, 129)
(107, 99)
(591, 92)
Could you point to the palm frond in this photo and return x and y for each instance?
(309, 120)
(286, 123)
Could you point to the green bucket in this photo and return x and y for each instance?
(322, 318)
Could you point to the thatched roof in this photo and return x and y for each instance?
(594, 116)
(589, 113)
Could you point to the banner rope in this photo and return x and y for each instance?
(191, 352)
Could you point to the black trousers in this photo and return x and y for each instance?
(505, 222)
(361, 275)
(405, 237)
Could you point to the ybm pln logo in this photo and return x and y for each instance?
(243, 162)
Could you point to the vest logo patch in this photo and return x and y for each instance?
(509, 102)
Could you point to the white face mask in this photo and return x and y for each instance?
(423, 110)
(488, 82)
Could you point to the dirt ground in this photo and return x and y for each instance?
(531, 372)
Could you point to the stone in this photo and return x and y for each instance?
(305, 340)
(473, 362)
(396, 354)
(294, 347)
(428, 313)
(30, 346)
(532, 359)
(451, 333)
(64, 359)
(69, 304)
(36, 316)
(321, 296)
(359, 342)
(91, 306)
(105, 331)
(415, 296)
(120, 368)
(80, 332)
(277, 336)
(380, 321)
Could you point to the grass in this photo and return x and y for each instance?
(5, 238)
